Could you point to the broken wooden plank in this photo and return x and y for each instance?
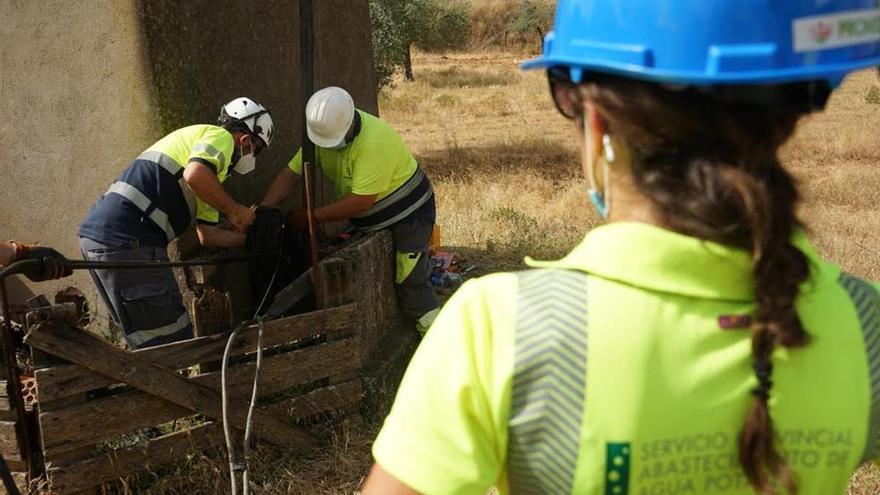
(169, 448)
(290, 297)
(211, 312)
(20, 478)
(65, 380)
(80, 347)
(73, 427)
(9, 441)
(337, 282)
(125, 462)
(323, 400)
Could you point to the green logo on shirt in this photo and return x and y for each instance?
(617, 468)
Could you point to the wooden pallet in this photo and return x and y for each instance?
(309, 368)
(97, 409)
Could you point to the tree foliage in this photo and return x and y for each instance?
(510, 24)
(449, 29)
(398, 25)
(531, 18)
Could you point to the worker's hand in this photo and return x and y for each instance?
(241, 218)
(299, 219)
(54, 264)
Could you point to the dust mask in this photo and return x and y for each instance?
(246, 162)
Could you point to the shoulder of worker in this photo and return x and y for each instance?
(201, 131)
(210, 145)
(377, 132)
(213, 134)
(484, 307)
(481, 305)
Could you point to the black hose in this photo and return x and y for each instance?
(21, 266)
(6, 476)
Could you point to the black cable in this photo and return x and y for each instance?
(21, 266)
(6, 476)
(240, 464)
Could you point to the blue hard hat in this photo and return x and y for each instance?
(714, 42)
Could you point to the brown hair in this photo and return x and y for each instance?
(708, 163)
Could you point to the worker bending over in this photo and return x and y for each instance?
(379, 185)
(52, 263)
(696, 343)
(173, 184)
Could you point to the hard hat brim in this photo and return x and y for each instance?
(833, 73)
(325, 142)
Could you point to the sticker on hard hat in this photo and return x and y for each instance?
(836, 31)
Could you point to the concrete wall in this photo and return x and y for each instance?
(86, 86)
(203, 53)
(75, 106)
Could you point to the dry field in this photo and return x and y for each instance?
(508, 184)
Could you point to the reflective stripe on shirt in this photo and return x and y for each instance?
(207, 148)
(143, 336)
(408, 187)
(866, 300)
(398, 205)
(139, 199)
(549, 381)
(164, 161)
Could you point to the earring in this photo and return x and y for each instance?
(609, 148)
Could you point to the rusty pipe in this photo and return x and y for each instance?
(313, 234)
(14, 380)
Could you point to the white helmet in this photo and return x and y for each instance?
(251, 114)
(329, 115)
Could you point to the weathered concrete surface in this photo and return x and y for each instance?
(203, 53)
(85, 87)
(76, 107)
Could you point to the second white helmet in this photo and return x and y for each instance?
(329, 114)
(250, 113)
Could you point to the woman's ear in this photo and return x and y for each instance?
(597, 127)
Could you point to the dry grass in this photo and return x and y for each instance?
(865, 482)
(835, 155)
(502, 148)
(458, 77)
(501, 160)
(338, 467)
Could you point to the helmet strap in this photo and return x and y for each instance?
(357, 127)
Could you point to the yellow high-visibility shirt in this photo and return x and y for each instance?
(626, 368)
(376, 162)
(207, 144)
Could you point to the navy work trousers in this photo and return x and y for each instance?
(145, 302)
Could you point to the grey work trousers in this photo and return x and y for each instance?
(413, 274)
(145, 302)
